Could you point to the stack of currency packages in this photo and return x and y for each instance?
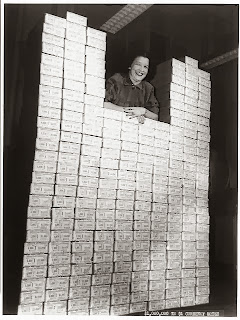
(118, 211)
(183, 91)
(68, 168)
(38, 235)
(53, 256)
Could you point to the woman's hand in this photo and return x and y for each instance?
(134, 112)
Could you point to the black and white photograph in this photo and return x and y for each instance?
(119, 159)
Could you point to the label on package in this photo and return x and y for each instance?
(94, 128)
(57, 282)
(202, 245)
(62, 218)
(64, 179)
(79, 292)
(105, 204)
(30, 309)
(51, 81)
(38, 235)
(105, 214)
(103, 290)
(74, 137)
(102, 268)
(56, 295)
(53, 39)
(52, 49)
(125, 194)
(80, 281)
(91, 150)
(138, 307)
(104, 235)
(72, 127)
(69, 147)
(158, 235)
(141, 245)
(141, 256)
(141, 265)
(156, 295)
(105, 224)
(32, 297)
(122, 266)
(59, 247)
(48, 111)
(42, 144)
(32, 285)
(43, 224)
(84, 225)
(61, 201)
(89, 161)
(172, 303)
(87, 192)
(120, 288)
(122, 256)
(203, 299)
(141, 225)
(65, 190)
(78, 258)
(123, 245)
(80, 269)
(139, 296)
(76, 74)
(35, 260)
(93, 100)
(119, 310)
(40, 201)
(34, 272)
(108, 183)
(123, 225)
(59, 258)
(45, 189)
(57, 235)
(51, 103)
(38, 212)
(204, 290)
(73, 95)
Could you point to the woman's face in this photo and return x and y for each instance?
(139, 69)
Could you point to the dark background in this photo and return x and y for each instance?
(165, 31)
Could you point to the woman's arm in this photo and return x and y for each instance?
(131, 112)
(110, 105)
(151, 115)
(140, 111)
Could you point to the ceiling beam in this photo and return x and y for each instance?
(123, 17)
(228, 56)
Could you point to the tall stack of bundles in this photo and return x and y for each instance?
(81, 241)
(37, 252)
(184, 94)
(118, 218)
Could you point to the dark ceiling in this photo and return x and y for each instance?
(176, 20)
(205, 30)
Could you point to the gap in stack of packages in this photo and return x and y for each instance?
(118, 218)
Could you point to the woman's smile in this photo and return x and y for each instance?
(139, 69)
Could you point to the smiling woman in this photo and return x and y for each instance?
(131, 94)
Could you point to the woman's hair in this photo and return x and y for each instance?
(132, 57)
(136, 55)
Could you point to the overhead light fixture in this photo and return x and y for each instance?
(228, 56)
(123, 17)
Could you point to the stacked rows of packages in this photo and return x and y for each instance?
(50, 218)
(118, 218)
(183, 91)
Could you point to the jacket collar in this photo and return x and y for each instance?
(127, 82)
